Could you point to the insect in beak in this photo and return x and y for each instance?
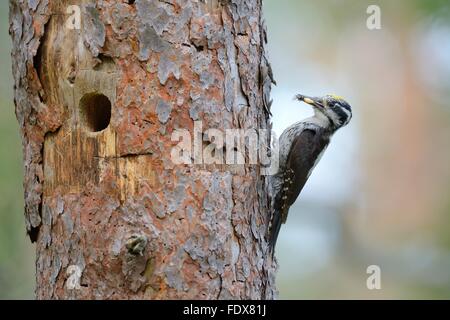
(316, 102)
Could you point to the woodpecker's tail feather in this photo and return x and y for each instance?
(275, 230)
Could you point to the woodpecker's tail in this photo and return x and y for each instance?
(275, 230)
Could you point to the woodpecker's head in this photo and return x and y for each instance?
(335, 108)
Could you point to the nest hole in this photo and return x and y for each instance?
(95, 111)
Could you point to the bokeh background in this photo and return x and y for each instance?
(381, 194)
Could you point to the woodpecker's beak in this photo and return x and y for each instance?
(316, 102)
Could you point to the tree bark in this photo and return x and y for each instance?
(112, 215)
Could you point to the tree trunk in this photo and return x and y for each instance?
(100, 89)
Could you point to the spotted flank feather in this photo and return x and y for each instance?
(286, 192)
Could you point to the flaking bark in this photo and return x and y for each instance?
(112, 216)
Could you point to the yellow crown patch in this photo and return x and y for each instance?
(335, 96)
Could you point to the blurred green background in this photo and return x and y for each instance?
(381, 194)
(16, 251)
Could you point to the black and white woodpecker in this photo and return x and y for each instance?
(300, 148)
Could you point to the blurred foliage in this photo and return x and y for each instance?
(396, 213)
(16, 252)
(436, 8)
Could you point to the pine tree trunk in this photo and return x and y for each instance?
(100, 88)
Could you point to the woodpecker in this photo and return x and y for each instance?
(300, 148)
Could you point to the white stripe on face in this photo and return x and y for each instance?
(349, 116)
